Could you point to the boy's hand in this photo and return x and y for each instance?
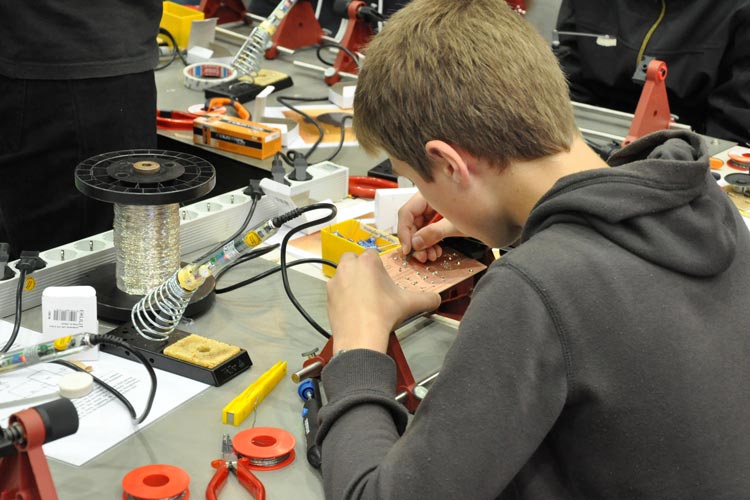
(365, 305)
(417, 233)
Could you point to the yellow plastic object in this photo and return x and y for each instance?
(345, 237)
(177, 19)
(243, 405)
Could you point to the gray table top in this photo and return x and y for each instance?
(173, 95)
(261, 319)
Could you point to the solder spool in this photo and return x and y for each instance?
(266, 448)
(146, 187)
(156, 482)
(739, 161)
(740, 183)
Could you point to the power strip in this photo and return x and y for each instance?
(329, 182)
(202, 225)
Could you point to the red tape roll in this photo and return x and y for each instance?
(267, 448)
(739, 161)
(156, 482)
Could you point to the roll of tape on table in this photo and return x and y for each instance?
(201, 76)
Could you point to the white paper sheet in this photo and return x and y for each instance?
(104, 421)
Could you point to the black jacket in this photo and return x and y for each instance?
(705, 44)
(78, 39)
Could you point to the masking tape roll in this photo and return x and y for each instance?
(266, 448)
(201, 76)
(156, 482)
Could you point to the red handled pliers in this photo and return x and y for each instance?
(176, 120)
(230, 463)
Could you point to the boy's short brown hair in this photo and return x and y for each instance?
(471, 73)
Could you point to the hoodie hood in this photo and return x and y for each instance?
(659, 201)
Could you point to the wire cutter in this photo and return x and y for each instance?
(230, 462)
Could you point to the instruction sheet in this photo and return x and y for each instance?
(103, 420)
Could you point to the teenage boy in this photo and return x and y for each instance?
(605, 356)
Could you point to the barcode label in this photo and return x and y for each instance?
(66, 318)
(64, 315)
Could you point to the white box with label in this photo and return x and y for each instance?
(67, 310)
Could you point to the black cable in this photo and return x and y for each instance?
(283, 266)
(19, 310)
(105, 386)
(269, 272)
(341, 140)
(174, 54)
(289, 156)
(244, 258)
(321, 133)
(246, 222)
(335, 45)
(116, 341)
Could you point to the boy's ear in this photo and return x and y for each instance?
(449, 160)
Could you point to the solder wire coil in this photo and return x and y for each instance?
(147, 245)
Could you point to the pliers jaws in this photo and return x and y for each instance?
(230, 462)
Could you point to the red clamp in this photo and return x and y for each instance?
(652, 112)
(299, 28)
(225, 10)
(24, 473)
(405, 383)
(357, 35)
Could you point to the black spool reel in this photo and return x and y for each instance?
(142, 177)
(145, 177)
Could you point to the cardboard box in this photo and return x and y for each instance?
(67, 310)
(237, 135)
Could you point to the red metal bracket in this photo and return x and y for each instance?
(652, 112)
(226, 10)
(299, 28)
(404, 378)
(25, 474)
(357, 35)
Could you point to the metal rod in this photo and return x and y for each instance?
(309, 66)
(311, 370)
(233, 35)
(401, 396)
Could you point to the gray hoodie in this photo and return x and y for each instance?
(605, 357)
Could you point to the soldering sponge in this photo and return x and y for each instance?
(201, 351)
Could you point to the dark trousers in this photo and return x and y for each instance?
(47, 127)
